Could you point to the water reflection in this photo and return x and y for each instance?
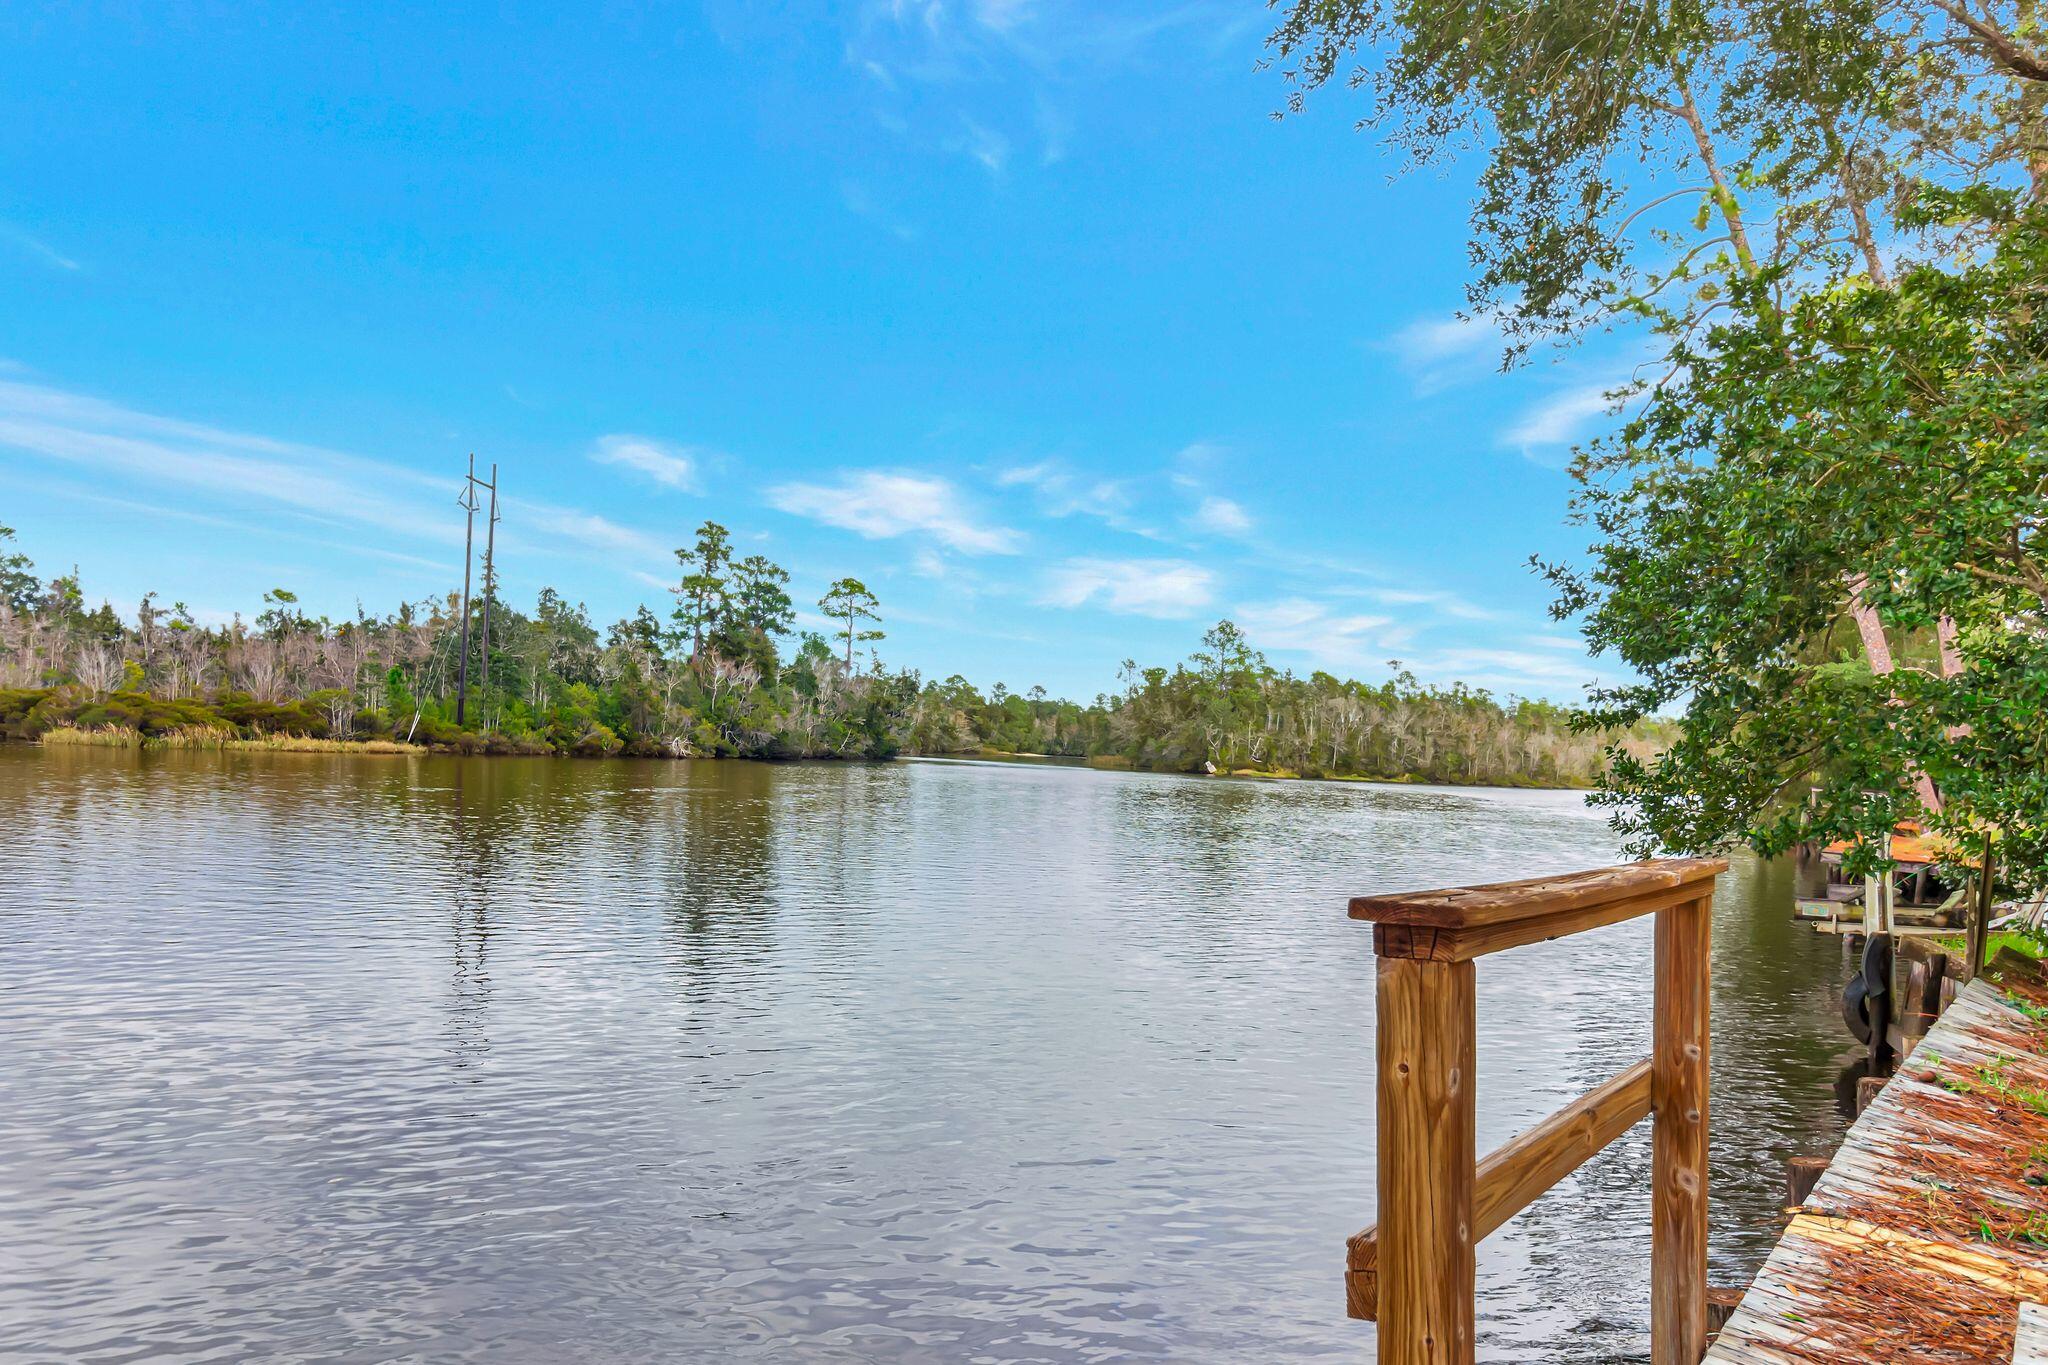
(435, 1059)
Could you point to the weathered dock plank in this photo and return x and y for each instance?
(2031, 1348)
(1926, 1239)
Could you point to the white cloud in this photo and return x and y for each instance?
(1030, 475)
(882, 505)
(986, 146)
(984, 78)
(1510, 670)
(1195, 460)
(863, 203)
(1064, 493)
(1221, 516)
(599, 533)
(1438, 353)
(671, 466)
(1003, 15)
(1450, 604)
(310, 484)
(1561, 419)
(41, 250)
(1164, 588)
(1328, 638)
(1359, 644)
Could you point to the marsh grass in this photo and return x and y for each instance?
(96, 737)
(209, 737)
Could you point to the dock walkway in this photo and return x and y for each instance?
(1926, 1240)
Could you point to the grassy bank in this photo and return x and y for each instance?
(200, 737)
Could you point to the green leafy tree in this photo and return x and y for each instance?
(280, 615)
(19, 586)
(758, 609)
(1895, 439)
(1819, 524)
(560, 689)
(850, 601)
(701, 595)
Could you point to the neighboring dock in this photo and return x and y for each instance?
(1926, 1239)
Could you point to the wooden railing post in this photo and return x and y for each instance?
(1678, 1146)
(1415, 1271)
(1428, 1149)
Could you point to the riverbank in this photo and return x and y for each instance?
(208, 738)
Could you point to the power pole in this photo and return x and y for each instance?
(490, 577)
(469, 506)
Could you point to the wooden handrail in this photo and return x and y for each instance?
(1415, 1272)
(1470, 921)
(1517, 1174)
(1469, 907)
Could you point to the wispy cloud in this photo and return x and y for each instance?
(1010, 71)
(986, 146)
(239, 527)
(880, 505)
(1560, 420)
(602, 534)
(1193, 469)
(1440, 353)
(1220, 516)
(312, 485)
(1170, 589)
(1446, 603)
(1509, 670)
(38, 248)
(1325, 637)
(1003, 15)
(671, 466)
(1064, 492)
(863, 203)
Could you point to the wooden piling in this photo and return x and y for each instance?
(1978, 938)
(1721, 1306)
(1801, 1174)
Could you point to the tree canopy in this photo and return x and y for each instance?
(1819, 522)
(552, 682)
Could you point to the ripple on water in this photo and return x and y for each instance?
(348, 1059)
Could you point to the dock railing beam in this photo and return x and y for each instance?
(1415, 1272)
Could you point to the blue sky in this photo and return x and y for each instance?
(1028, 314)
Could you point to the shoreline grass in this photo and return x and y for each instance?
(206, 738)
(95, 737)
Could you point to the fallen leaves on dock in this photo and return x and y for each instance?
(1930, 1226)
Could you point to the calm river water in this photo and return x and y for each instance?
(306, 1058)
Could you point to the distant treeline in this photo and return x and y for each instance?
(719, 677)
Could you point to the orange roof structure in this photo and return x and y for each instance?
(1910, 844)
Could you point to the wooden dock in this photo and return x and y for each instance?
(1926, 1239)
